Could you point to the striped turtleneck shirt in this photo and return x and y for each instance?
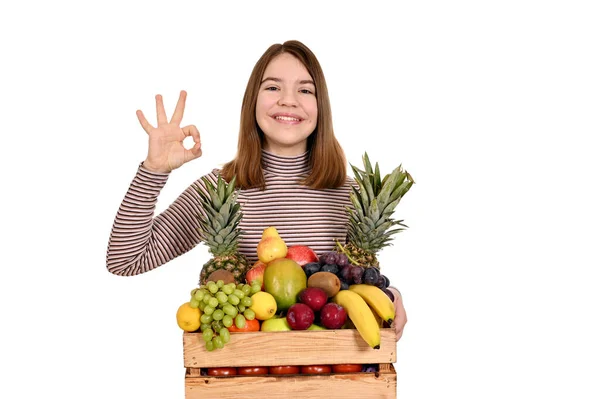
(140, 241)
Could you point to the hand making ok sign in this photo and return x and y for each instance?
(165, 141)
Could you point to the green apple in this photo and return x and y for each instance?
(316, 327)
(275, 324)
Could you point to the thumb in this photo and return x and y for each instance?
(193, 153)
(196, 150)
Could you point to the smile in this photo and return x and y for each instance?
(287, 119)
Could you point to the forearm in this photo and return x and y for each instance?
(140, 242)
(397, 294)
(400, 319)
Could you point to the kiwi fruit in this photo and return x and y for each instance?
(329, 282)
(221, 274)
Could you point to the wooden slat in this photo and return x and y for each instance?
(192, 372)
(333, 386)
(385, 367)
(289, 348)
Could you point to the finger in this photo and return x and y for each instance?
(143, 121)
(193, 153)
(179, 108)
(161, 115)
(196, 150)
(192, 130)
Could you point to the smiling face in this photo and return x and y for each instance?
(286, 106)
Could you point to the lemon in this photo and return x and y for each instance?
(263, 305)
(188, 318)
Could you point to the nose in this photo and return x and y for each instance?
(287, 98)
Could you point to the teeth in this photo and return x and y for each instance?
(287, 118)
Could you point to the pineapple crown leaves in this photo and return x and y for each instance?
(374, 203)
(219, 224)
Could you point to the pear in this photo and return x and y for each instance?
(270, 232)
(271, 246)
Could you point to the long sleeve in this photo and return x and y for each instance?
(140, 242)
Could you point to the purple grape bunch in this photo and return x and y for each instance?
(338, 264)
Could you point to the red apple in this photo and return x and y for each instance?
(257, 272)
(299, 316)
(302, 254)
(314, 297)
(333, 316)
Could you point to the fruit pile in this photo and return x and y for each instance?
(293, 288)
(283, 295)
(338, 264)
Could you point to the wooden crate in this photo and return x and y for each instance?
(295, 348)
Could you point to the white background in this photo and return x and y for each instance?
(493, 107)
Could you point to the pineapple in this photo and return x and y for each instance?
(370, 221)
(219, 229)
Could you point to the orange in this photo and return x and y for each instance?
(251, 325)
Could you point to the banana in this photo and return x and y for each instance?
(378, 318)
(361, 315)
(377, 300)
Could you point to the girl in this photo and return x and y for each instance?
(289, 167)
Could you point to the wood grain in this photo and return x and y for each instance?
(332, 386)
(286, 348)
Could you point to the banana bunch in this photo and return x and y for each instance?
(377, 300)
(365, 304)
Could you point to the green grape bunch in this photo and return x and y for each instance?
(222, 305)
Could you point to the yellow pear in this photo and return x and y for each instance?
(271, 246)
(270, 232)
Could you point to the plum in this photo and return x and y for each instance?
(371, 275)
(311, 268)
(387, 281)
(314, 297)
(300, 316)
(333, 316)
(330, 268)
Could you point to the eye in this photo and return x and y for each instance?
(271, 88)
(306, 91)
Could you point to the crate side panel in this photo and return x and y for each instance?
(289, 348)
(334, 386)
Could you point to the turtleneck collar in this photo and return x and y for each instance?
(285, 165)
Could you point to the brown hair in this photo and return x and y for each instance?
(326, 157)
